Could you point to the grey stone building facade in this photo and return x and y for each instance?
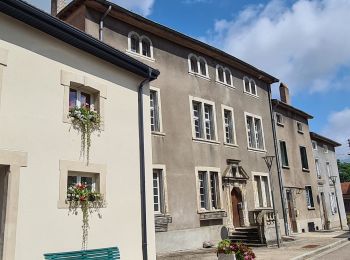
(330, 195)
(298, 171)
(211, 125)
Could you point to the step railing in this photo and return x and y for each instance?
(264, 219)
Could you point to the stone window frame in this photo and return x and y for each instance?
(160, 118)
(234, 135)
(208, 170)
(139, 54)
(198, 73)
(247, 114)
(86, 84)
(3, 64)
(164, 188)
(75, 166)
(262, 174)
(224, 70)
(250, 91)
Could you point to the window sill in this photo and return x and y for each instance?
(280, 124)
(225, 84)
(300, 132)
(157, 133)
(205, 141)
(305, 170)
(199, 75)
(263, 208)
(250, 94)
(256, 150)
(64, 205)
(212, 214)
(140, 56)
(231, 145)
(285, 167)
(311, 208)
(68, 120)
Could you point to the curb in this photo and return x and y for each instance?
(320, 250)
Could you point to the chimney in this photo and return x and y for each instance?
(284, 93)
(57, 6)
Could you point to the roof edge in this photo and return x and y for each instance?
(314, 135)
(291, 108)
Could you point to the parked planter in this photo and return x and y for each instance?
(226, 257)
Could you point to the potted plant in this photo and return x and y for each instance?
(228, 250)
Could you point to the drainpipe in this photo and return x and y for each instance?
(101, 23)
(142, 166)
(280, 177)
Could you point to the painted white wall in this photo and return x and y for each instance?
(31, 110)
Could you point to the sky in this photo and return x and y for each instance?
(305, 44)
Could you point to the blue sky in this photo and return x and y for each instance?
(303, 43)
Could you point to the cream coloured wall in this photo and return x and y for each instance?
(31, 115)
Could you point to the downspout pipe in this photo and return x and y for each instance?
(101, 23)
(279, 173)
(142, 165)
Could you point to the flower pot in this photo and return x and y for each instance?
(226, 257)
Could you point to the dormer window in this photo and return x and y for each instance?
(140, 45)
(197, 66)
(250, 86)
(223, 75)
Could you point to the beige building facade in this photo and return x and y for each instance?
(210, 122)
(41, 61)
(297, 165)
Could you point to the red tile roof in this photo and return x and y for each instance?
(345, 187)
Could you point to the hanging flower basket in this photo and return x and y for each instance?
(86, 120)
(228, 250)
(80, 197)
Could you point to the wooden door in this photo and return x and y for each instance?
(236, 199)
(291, 212)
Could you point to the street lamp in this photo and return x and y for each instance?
(269, 160)
(334, 180)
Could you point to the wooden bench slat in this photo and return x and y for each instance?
(110, 253)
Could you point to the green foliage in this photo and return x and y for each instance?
(348, 219)
(344, 171)
(241, 251)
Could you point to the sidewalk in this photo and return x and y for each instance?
(305, 245)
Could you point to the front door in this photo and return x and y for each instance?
(236, 198)
(291, 211)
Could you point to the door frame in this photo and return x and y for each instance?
(238, 191)
(291, 211)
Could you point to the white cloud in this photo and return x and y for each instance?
(196, 1)
(305, 45)
(143, 7)
(338, 128)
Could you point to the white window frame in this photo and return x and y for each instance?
(164, 209)
(160, 120)
(318, 172)
(95, 178)
(325, 148)
(282, 119)
(199, 73)
(333, 203)
(313, 201)
(328, 169)
(246, 114)
(219, 189)
(300, 131)
(211, 103)
(223, 108)
(256, 199)
(139, 54)
(314, 145)
(224, 69)
(250, 92)
(279, 147)
(92, 98)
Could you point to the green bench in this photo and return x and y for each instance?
(110, 253)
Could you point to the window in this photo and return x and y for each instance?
(262, 191)
(328, 168)
(155, 110)
(223, 75)
(209, 190)
(140, 45)
(325, 148)
(309, 197)
(317, 163)
(198, 65)
(228, 123)
(88, 179)
(333, 202)
(79, 98)
(303, 156)
(284, 155)
(254, 132)
(159, 190)
(300, 127)
(314, 145)
(203, 119)
(250, 86)
(279, 119)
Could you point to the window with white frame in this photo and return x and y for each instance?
(314, 145)
(333, 203)
(254, 132)
(325, 148)
(279, 119)
(88, 179)
(309, 197)
(303, 157)
(284, 154)
(328, 168)
(155, 110)
(223, 75)
(78, 98)
(317, 163)
(209, 190)
(140, 45)
(229, 125)
(157, 190)
(198, 65)
(300, 127)
(250, 86)
(262, 191)
(203, 118)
